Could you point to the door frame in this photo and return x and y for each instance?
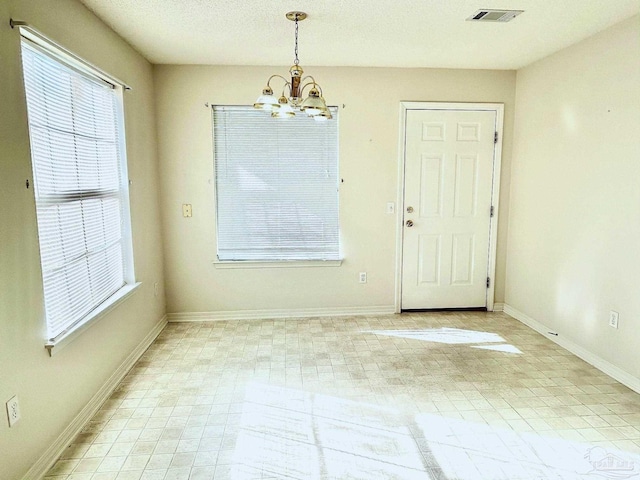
(495, 187)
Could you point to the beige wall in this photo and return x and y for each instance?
(52, 391)
(369, 124)
(574, 224)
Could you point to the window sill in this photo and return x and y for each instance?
(65, 338)
(289, 264)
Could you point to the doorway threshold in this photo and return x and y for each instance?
(435, 310)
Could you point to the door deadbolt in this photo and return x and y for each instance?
(409, 209)
(409, 223)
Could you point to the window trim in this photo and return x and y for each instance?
(71, 59)
(56, 344)
(231, 264)
(65, 57)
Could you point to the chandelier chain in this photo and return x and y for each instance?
(296, 61)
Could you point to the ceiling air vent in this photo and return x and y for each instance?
(488, 15)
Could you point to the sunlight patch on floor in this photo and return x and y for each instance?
(469, 450)
(505, 348)
(288, 433)
(450, 336)
(453, 336)
(285, 433)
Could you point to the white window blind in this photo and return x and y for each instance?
(276, 186)
(74, 127)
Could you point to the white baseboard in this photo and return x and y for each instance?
(498, 307)
(293, 313)
(51, 455)
(603, 365)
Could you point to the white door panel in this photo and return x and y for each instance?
(449, 157)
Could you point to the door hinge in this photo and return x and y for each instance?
(491, 212)
(495, 137)
(488, 282)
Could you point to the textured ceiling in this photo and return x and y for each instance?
(379, 33)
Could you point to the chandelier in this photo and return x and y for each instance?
(291, 100)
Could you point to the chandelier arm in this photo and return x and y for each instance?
(314, 84)
(305, 86)
(309, 77)
(278, 76)
(284, 88)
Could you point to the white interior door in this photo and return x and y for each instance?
(449, 156)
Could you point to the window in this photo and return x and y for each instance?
(80, 182)
(276, 186)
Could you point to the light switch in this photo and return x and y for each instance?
(186, 210)
(391, 208)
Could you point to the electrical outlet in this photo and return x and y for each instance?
(13, 410)
(363, 277)
(613, 319)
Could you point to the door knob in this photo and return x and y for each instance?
(409, 223)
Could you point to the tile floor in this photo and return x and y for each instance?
(420, 395)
